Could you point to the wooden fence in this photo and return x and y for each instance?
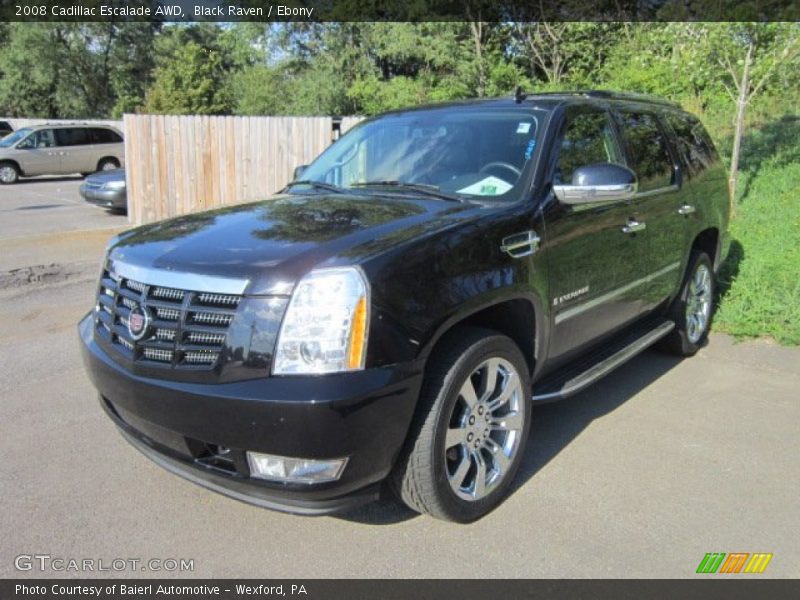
(177, 165)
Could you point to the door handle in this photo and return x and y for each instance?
(686, 209)
(521, 244)
(633, 226)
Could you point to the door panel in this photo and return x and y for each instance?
(37, 154)
(594, 265)
(77, 152)
(660, 197)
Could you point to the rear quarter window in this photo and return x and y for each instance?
(694, 145)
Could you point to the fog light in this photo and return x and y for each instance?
(294, 470)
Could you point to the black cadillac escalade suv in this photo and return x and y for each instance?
(392, 316)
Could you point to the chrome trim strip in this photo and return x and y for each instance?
(662, 190)
(582, 308)
(192, 282)
(602, 369)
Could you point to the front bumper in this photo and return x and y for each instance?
(116, 199)
(363, 415)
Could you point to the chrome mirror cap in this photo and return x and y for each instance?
(587, 194)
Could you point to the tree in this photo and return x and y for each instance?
(750, 55)
(190, 82)
(71, 70)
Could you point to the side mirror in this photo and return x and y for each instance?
(298, 172)
(599, 182)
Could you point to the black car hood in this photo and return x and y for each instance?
(274, 242)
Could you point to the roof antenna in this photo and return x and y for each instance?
(519, 95)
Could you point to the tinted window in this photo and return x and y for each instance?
(694, 145)
(104, 136)
(587, 139)
(72, 136)
(647, 149)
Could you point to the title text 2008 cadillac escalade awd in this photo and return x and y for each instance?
(392, 316)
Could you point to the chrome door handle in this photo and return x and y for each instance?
(686, 209)
(633, 226)
(521, 244)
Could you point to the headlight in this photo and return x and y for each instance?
(114, 185)
(325, 326)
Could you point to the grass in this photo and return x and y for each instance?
(760, 283)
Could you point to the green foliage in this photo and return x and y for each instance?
(190, 76)
(763, 287)
(68, 70)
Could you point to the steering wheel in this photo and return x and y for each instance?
(499, 164)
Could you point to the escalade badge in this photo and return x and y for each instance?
(138, 322)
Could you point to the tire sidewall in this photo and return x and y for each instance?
(490, 347)
(16, 171)
(679, 316)
(106, 161)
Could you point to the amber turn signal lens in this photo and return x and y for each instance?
(358, 335)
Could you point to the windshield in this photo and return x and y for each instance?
(469, 153)
(13, 138)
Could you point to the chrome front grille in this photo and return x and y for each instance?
(186, 329)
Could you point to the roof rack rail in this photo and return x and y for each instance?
(519, 96)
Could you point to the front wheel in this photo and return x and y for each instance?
(692, 309)
(472, 424)
(9, 173)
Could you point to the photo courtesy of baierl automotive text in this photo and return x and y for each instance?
(432, 276)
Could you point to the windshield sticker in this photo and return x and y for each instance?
(491, 186)
(529, 149)
(523, 127)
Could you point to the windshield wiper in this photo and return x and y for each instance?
(319, 185)
(422, 188)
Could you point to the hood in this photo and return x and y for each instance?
(106, 176)
(274, 242)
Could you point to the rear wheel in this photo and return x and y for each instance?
(9, 173)
(107, 164)
(692, 309)
(469, 436)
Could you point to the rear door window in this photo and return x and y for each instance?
(648, 153)
(73, 136)
(101, 135)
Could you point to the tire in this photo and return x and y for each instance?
(692, 309)
(107, 164)
(9, 173)
(445, 481)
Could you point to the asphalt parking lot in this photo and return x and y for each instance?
(46, 205)
(660, 463)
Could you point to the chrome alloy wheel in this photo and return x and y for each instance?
(485, 429)
(698, 304)
(7, 174)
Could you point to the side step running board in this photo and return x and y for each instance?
(573, 381)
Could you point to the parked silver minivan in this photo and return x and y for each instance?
(60, 150)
